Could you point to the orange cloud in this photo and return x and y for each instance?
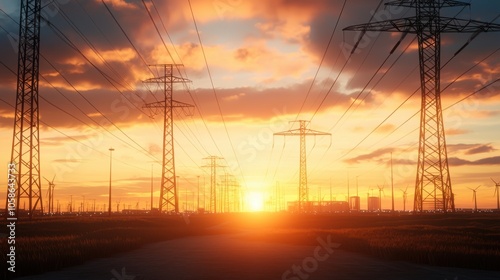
(254, 57)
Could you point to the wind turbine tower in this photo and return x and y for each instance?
(405, 196)
(474, 197)
(380, 191)
(496, 192)
(51, 194)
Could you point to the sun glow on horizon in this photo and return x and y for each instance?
(254, 201)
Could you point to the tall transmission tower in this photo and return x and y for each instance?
(168, 190)
(25, 143)
(213, 164)
(302, 132)
(433, 185)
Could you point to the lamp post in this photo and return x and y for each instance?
(151, 188)
(110, 166)
(198, 204)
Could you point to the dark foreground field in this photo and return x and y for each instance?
(454, 240)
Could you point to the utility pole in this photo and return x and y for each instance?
(151, 187)
(302, 132)
(213, 164)
(25, 155)
(428, 24)
(331, 198)
(348, 198)
(110, 168)
(168, 189)
(198, 203)
(392, 185)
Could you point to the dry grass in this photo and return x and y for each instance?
(469, 241)
(51, 244)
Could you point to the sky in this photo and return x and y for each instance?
(269, 63)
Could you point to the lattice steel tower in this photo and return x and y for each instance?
(302, 131)
(25, 144)
(213, 164)
(433, 185)
(168, 189)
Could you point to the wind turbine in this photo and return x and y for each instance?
(496, 192)
(474, 197)
(118, 205)
(51, 193)
(380, 191)
(405, 195)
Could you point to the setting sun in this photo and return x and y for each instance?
(255, 201)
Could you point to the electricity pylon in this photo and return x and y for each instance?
(433, 185)
(302, 131)
(25, 143)
(213, 180)
(168, 188)
(230, 193)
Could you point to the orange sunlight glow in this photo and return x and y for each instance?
(254, 201)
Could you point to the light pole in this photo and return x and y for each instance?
(198, 205)
(151, 187)
(110, 166)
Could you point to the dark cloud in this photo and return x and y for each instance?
(373, 156)
(454, 161)
(376, 46)
(480, 149)
(470, 149)
(459, 147)
(110, 86)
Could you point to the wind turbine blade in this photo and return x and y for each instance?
(53, 178)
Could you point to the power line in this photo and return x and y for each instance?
(322, 60)
(215, 93)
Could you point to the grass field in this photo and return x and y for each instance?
(460, 240)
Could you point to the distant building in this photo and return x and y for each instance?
(373, 204)
(319, 206)
(139, 212)
(354, 203)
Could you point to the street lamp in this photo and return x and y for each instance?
(110, 166)
(198, 204)
(151, 188)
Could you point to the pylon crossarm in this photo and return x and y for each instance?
(413, 3)
(187, 109)
(295, 132)
(411, 25)
(172, 79)
(178, 104)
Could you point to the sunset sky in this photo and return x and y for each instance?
(263, 57)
